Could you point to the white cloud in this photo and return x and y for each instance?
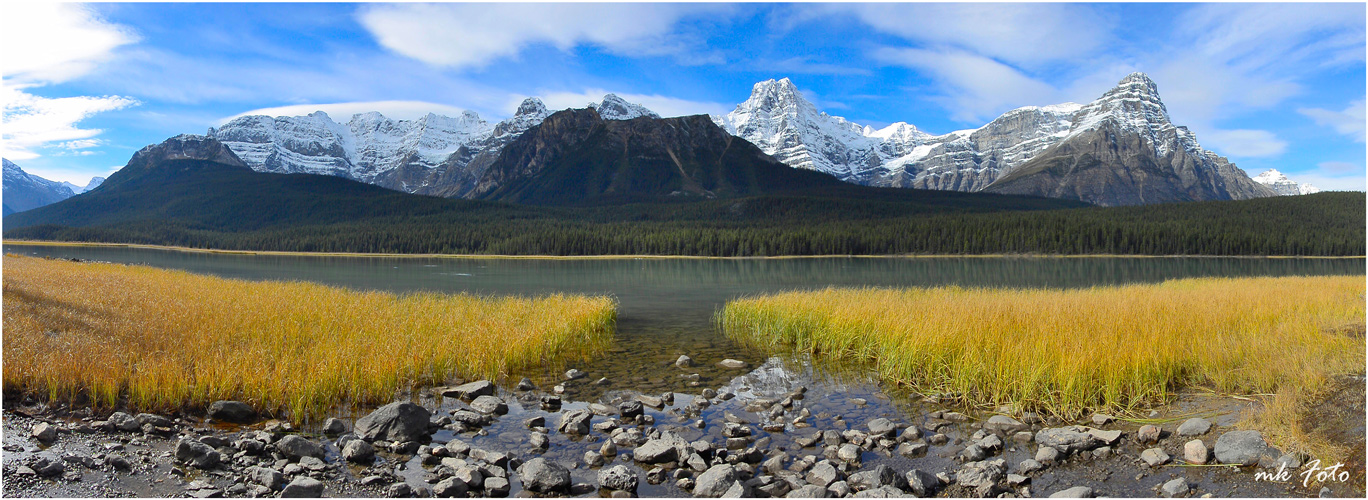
(663, 105)
(1020, 33)
(1349, 122)
(1243, 143)
(51, 42)
(975, 88)
(474, 35)
(81, 144)
(31, 122)
(343, 111)
(1339, 168)
(1332, 182)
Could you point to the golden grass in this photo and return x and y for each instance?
(1065, 352)
(169, 339)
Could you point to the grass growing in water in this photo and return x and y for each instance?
(1069, 351)
(171, 339)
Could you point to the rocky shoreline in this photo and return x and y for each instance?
(752, 438)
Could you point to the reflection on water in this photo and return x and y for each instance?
(666, 305)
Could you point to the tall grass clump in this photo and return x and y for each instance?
(165, 340)
(1068, 351)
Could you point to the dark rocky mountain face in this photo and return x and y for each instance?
(578, 157)
(162, 158)
(1110, 166)
(1123, 150)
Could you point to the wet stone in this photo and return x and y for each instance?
(1154, 457)
(232, 411)
(1176, 487)
(1196, 452)
(1148, 434)
(489, 404)
(734, 364)
(1240, 447)
(1194, 427)
(1074, 492)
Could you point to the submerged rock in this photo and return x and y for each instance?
(735, 364)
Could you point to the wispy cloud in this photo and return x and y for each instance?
(51, 43)
(31, 122)
(55, 42)
(804, 65)
(1020, 33)
(974, 88)
(1349, 121)
(474, 35)
(1244, 143)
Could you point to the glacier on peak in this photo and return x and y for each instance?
(416, 156)
(1279, 183)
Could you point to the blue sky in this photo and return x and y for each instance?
(1267, 85)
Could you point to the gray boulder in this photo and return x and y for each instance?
(544, 476)
(44, 432)
(489, 404)
(358, 451)
(618, 477)
(667, 448)
(1240, 447)
(1074, 492)
(124, 422)
(197, 454)
(232, 411)
(296, 447)
(450, 487)
(880, 427)
(809, 491)
(921, 483)
(471, 390)
(1194, 427)
(1003, 423)
(334, 426)
(575, 422)
(715, 482)
(1154, 457)
(303, 487)
(823, 474)
(1176, 487)
(399, 421)
(984, 473)
(269, 478)
(1067, 439)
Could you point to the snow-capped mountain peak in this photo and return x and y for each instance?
(1279, 183)
(408, 155)
(617, 108)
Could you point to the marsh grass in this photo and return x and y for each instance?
(1067, 352)
(165, 340)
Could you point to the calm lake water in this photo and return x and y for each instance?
(666, 309)
(667, 305)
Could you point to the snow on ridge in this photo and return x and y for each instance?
(1279, 183)
(370, 144)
